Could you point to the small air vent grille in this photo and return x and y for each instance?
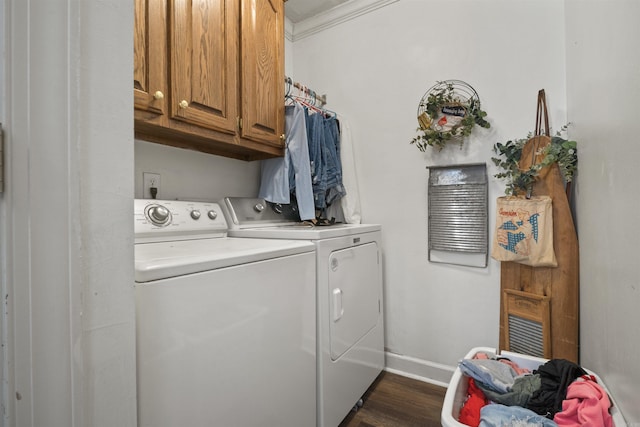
(525, 336)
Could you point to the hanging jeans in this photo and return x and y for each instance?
(324, 153)
(315, 134)
(335, 190)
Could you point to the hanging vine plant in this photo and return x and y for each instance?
(560, 150)
(447, 112)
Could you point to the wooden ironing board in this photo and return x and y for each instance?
(561, 283)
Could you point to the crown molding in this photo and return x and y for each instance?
(288, 29)
(337, 15)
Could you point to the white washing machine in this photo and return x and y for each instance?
(349, 298)
(226, 332)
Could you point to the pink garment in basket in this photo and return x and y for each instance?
(586, 405)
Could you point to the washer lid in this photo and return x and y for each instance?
(161, 260)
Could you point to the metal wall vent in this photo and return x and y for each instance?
(458, 200)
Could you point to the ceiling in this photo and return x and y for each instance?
(299, 10)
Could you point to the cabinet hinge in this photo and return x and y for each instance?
(239, 120)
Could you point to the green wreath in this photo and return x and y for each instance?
(443, 103)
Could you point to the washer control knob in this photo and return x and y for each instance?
(159, 215)
(195, 214)
(259, 207)
(212, 214)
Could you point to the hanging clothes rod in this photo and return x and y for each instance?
(317, 99)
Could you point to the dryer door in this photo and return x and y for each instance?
(354, 286)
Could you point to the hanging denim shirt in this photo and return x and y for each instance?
(300, 174)
(280, 176)
(274, 180)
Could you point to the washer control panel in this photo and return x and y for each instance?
(158, 220)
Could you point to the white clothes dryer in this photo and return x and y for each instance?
(350, 326)
(225, 326)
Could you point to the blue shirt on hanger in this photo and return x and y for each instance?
(280, 176)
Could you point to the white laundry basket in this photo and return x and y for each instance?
(457, 391)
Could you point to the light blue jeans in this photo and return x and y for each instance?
(496, 415)
(335, 190)
(316, 134)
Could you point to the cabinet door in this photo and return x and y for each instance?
(262, 70)
(149, 74)
(204, 63)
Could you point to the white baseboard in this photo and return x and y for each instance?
(422, 370)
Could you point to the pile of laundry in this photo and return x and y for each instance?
(558, 393)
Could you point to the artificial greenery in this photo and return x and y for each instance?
(432, 107)
(560, 150)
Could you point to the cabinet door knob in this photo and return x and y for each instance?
(183, 104)
(158, 95)
(283, 137)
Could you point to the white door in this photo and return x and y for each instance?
(354, 283)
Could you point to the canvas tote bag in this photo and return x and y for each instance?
(524, 231)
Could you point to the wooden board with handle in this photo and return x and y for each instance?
(561, 283)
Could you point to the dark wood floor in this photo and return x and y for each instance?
(397, 401)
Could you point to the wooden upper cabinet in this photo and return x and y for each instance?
(149, 74)
(262, 70)
(209, 75)
(204, 63)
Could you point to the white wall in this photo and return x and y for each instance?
(68, 319)
(190, 175)
(603, 89)
(375, 69)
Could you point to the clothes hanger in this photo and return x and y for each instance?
(288, 99)
(307, 97)
(315, 100)
(303, 98)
